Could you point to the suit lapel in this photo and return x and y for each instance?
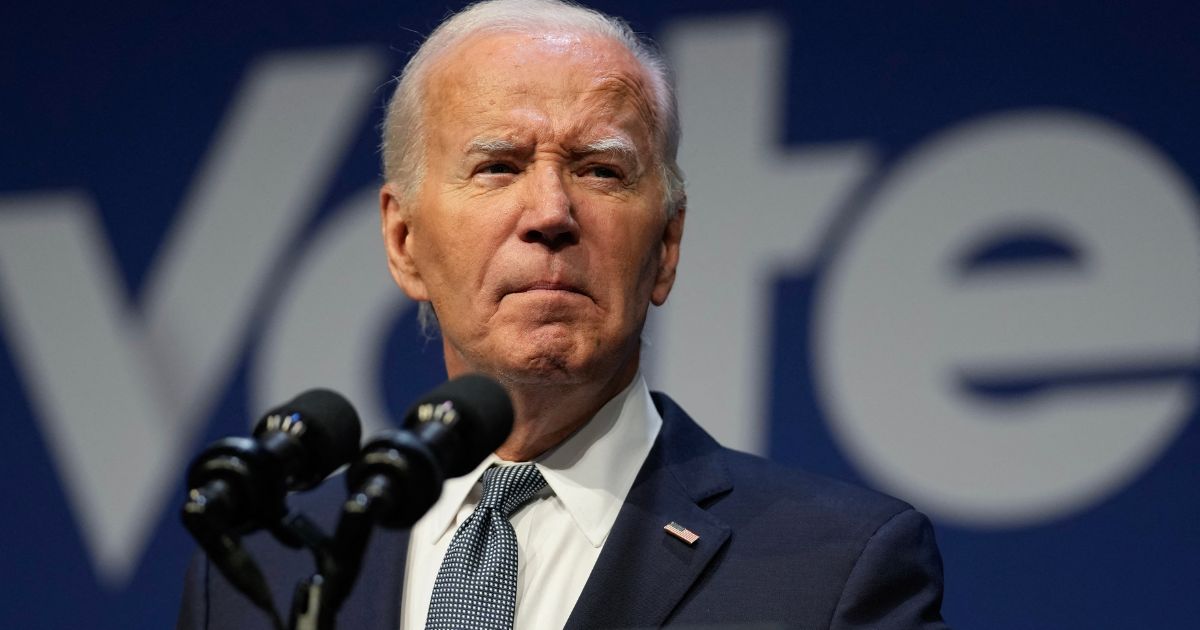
(644, 572)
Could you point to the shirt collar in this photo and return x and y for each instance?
(591, 472)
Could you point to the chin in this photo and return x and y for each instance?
(547, 355)
(547, 360)
(548, 366)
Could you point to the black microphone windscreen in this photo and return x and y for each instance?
(462, 421)
(331, 433)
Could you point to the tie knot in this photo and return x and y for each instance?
(506, 488)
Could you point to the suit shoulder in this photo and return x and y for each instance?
(758, 493)
(766, 480)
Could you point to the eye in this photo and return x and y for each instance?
(604, 172)
(498, 168)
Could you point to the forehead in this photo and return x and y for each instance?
(543, 78)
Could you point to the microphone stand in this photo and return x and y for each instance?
(318, 598)
(205, 516)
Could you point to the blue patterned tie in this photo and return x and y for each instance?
(476, 588)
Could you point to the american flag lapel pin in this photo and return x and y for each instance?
(682, 533)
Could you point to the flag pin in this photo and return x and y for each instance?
(682, 533)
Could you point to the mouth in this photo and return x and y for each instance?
(551, 286)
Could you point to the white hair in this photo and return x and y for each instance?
(404, 133)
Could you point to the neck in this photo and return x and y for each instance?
(546, 414)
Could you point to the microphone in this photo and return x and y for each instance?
(239, 484)
(446, 433)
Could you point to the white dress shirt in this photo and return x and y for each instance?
(562, 530)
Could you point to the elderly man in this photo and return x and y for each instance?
(534, 207)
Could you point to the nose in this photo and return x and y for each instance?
(548, 217)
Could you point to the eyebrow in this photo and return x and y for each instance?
(614, 144)
(610, 145)
(491, 146)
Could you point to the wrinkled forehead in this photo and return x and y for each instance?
(563, 69)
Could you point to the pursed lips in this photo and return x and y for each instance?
(549, 285)
(552, 286)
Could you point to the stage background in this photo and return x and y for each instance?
(949, 250)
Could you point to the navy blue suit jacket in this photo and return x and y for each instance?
(778, 548)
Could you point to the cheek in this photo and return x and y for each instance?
(632, 255)
(466, 241)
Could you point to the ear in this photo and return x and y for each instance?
(397, 226)
(669, 261)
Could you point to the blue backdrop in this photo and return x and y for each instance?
(948, 250)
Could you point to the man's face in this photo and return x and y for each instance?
(538, 232)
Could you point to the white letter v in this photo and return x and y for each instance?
(121, 392)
